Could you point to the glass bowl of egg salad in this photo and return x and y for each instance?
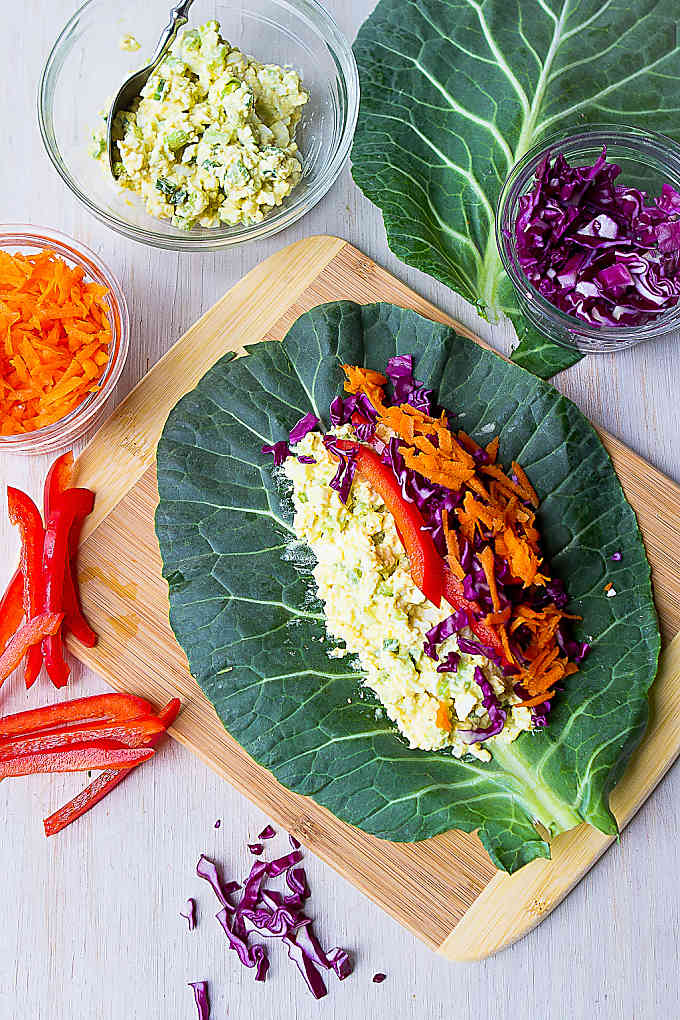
(239, 131)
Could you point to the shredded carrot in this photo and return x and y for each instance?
(55, 338)
(538, 700)
(443, 719)
(608, 586)
(487, 560)
(492, 449)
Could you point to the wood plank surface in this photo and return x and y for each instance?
(127, 599)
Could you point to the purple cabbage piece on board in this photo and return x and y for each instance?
(267, 833)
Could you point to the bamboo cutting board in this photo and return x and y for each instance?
(445, 890)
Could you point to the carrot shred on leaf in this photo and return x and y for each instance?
(55, 339)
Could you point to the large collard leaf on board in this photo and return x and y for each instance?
(244, 608)
(454, 92)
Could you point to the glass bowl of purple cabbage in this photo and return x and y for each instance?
(588, 230)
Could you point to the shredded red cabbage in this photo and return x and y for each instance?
(342, 409)
(282, 864)
(344, 476)
(252, 957)
(304, 458)
(300, 430)
(256, 849)
(313, 979)
(477, 648)
(201, 999)
(280, 451)
(295, 843)
(406, 389)
(189, 913)
(341, 962)
(598, 250)
(497, 715)
(208, 870)
(271, 914)
(218, 823)
(267, 833)
(616, 557)
(441, 631)
(379, 978)
(450, 663)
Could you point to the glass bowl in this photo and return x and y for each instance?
(647, 160)
(65, 432)
(87, 66)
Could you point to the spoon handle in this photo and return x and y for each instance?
(179, 15)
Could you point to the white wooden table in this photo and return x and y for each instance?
(89, 924)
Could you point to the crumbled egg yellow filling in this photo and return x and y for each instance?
(211, 139)
(379, 615)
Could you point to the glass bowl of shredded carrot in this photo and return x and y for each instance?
(64, 339)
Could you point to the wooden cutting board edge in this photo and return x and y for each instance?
(124, 448)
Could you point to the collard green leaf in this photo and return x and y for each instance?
(454, 92)
(244, 607)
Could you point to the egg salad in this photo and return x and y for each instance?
(211, 138)
(376, 613)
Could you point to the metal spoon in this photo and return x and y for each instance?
(136, 82)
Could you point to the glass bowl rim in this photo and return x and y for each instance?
(71, 426)
(611, 337)
(290, 213)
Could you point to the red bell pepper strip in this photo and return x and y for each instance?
(25, 515)
(29, 634)
(453, 593)
(103, 784)
(75, 620)
(11, 610)
(76, 759)
(100, 708)
(69, 506)
(59, 478)
(427, 566)
(133, 733)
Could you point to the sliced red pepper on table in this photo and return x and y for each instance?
(25, 515)
(68, 507)
(11, 610)
(28, 634)
(453, 593)
(59, 478)
(97, 708)
(103, 784)
(75, 759)
(427, 566)
(133, 733)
